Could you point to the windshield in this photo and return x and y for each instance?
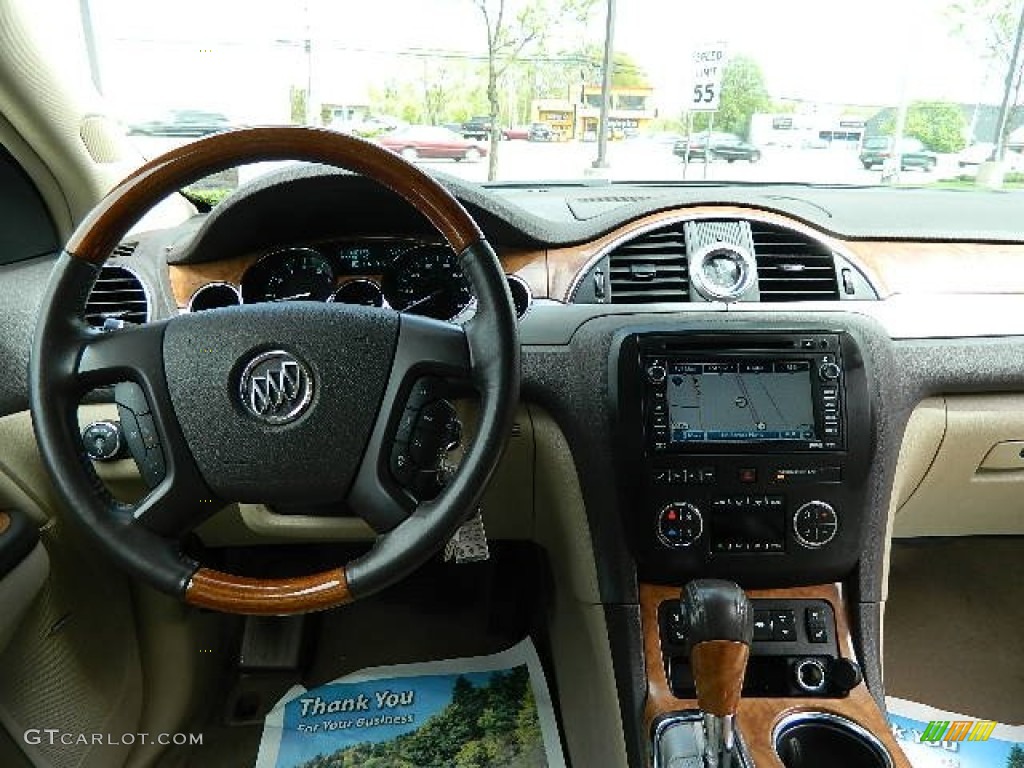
(515, 90)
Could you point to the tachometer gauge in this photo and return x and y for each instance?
(292, 274)
(427, 280)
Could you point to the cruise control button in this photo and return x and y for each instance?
(402, 466)
(147, 431)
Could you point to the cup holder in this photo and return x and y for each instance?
(811, 739)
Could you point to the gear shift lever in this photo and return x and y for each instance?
(719, 625)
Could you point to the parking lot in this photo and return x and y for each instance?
(644, 160)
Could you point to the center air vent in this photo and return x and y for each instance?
(792, 266)
(118, 294)
(651, 268)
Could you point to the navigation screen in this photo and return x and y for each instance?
(741, 401)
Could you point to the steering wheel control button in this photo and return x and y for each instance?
(102, 441)
(815, 524)
(680, 524)
(276, 387)
(428, 428)
(130, 395)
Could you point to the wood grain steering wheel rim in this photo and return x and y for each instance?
(69, 359)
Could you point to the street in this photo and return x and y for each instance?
(643, 160)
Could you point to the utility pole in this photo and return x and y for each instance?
(606, 88)
(90, 44)
(1010, 91)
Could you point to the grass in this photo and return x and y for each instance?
(1012, 181)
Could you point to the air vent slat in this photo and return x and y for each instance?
(650, 269)
(791, 266)
(118, 294)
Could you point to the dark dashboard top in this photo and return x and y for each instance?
(299, 200)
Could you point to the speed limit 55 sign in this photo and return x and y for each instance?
(708, 65)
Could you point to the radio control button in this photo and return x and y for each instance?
(680, 524)
(661, 476)
(748, 475)
(707, 475)
(829, 371)
(656, 373)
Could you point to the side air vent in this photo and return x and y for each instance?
(118, 294)
(792, 266)
(651, 268)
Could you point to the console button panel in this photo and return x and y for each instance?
(794, 643)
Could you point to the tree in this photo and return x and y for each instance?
(743, 94)
(1016, 757)
(938, 125)
(513, 27)
(990, 26)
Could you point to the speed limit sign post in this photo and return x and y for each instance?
(706, 94)
(708, 65)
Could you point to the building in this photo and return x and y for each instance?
(629, 113)
(819, 128)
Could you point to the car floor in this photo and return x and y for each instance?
(442, 611)
(954, 626)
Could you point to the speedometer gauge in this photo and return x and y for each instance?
(427, 280)
(293, 274)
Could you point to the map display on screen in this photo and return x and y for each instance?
(740, 401)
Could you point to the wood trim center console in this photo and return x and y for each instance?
(757, 717)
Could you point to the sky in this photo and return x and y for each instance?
(241, 55)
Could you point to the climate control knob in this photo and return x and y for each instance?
(815, 524)
(680, 524)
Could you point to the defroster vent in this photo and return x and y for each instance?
(792, 266)
(651, 268)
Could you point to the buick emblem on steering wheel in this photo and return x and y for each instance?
(276, 387)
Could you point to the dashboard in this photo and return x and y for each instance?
(732, 371)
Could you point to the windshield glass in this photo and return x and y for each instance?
(785, 91)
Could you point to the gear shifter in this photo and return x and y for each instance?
(719, 626)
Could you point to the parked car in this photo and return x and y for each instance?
(432, 141)
(541, 132)
(183, 122)
(366, 127)
(913, 154)
(478, 128)
(717, 146)
(515, 132)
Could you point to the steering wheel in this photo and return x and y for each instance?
(271, 402)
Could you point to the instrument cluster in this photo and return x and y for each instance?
(416, 276)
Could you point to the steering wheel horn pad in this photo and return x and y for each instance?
(336, 376)
(347, 355)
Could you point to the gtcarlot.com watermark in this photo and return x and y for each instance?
(56, 737)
